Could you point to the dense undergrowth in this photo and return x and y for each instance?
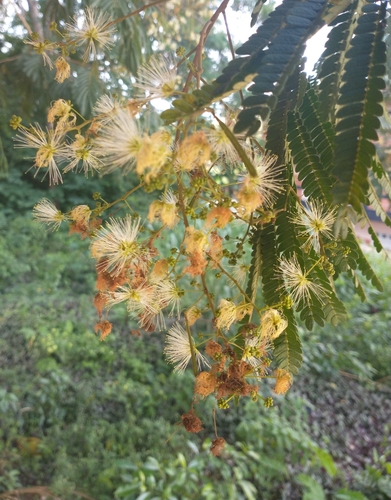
(79, 415)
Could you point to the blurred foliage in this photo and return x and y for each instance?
(362, 345)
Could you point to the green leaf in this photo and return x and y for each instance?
(248, 489)
(315, 178)
(87, 87)
(375, 202)
(287, 241)
(382, 176)
(288, 352)
(331, 65)
(333, 309)
(127, 489)
(170, 115)
(357, 285)
(356, 126)
(376, 242)
(256, 11)
(311, 311)
(326, 461)
(272, 54)
(312, 489)
(182, 105)
(271, 284)
(362, 261)
(345, 494)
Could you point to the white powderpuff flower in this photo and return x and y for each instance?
(297, 282)
(178, 349)
(50, 146)
(117, 244)
(267, 183)
(157, 77)
(239, 272)
(316, 220)
(46, 213)
(169, 294)
(105, 108)
(138, 300)
(166, 209)
(80, 214)
(229, 312)
(273, 324)
(95, 30)
(104, 105)
(149, 318)
(153, 154)
(61, 112)
(81, 151)
(262, 189)
(254, 349)
(169, 198)
(119, 142)
(41, 47)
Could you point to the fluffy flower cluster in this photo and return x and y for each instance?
(196, 231)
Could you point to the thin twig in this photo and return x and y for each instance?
(34, 16)
(173, 434)
(206, 291)
(21, 17)
(43, 491)
(231, 46)
(191, 344)
(135, 12)
(238, 286)
(214, 421)
(356, 377)
(204, 33)
(9, 59)
(126, 195)
(181, 201)
(211, 304)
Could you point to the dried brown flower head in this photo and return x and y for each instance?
(100, 301)
(192, 315)
(197, 264)
(217, 446)
(212, 348)
(191, 422)
(205, 384)
(104, 327)
(107, 282)
(63, 69)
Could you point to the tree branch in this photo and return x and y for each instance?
(34, 15)
(204, 33)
